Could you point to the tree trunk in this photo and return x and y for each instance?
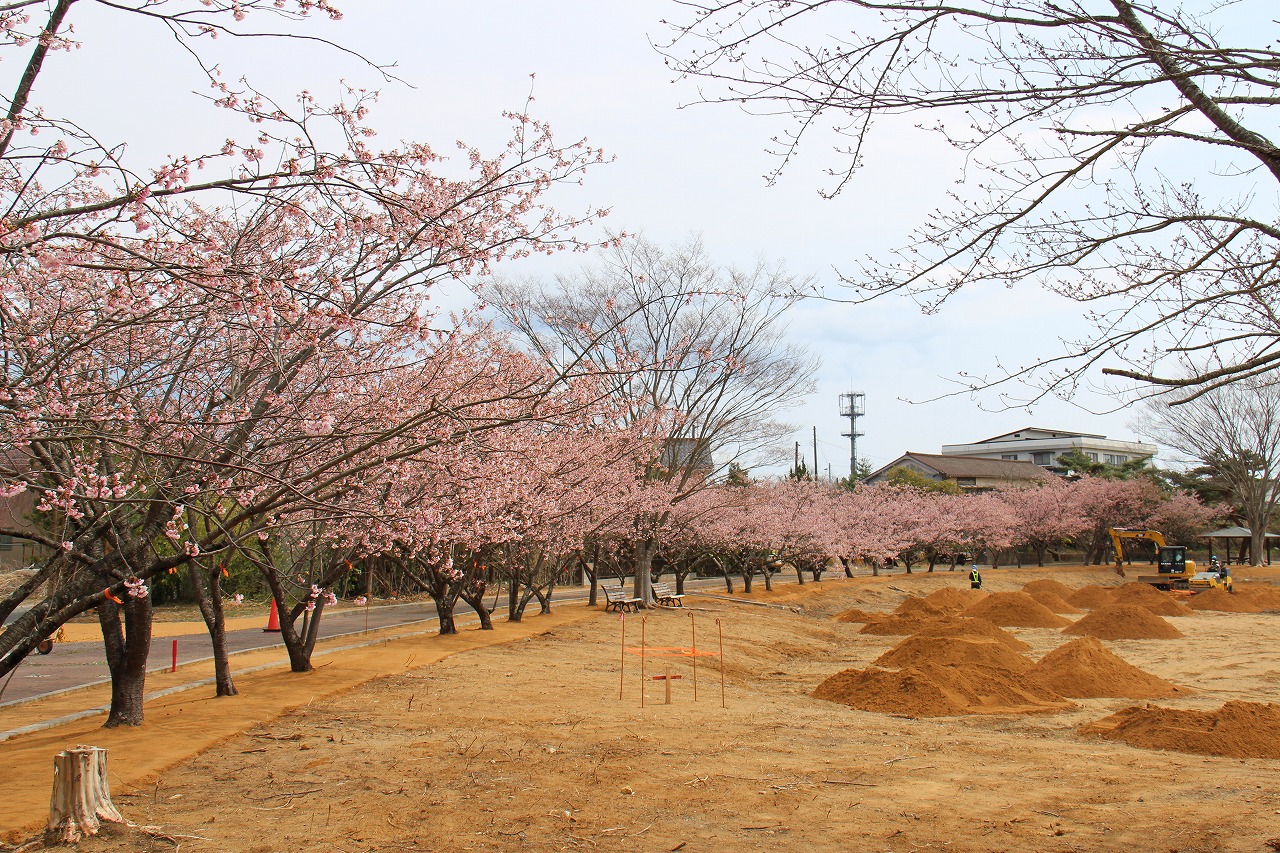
(643, 587)
(594, 595)
(81, 800)
(210, 604)
(128, 645)
(476, 603)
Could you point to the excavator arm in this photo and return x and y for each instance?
(1119, 534)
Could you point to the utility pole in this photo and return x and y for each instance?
(795, 466)
(815, 454)
(853, 406)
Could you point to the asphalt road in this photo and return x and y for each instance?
(73, 665)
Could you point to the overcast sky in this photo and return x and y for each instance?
(679, 169)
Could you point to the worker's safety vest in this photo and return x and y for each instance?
(974, 577)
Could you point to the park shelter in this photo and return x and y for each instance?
(1227, 534)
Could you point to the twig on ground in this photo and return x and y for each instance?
(289, 794)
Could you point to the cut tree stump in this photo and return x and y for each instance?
(81, 800)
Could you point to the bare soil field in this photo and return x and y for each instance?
(979, 743)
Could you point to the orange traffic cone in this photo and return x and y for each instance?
(273, 621)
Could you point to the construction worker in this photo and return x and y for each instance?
(975, 578)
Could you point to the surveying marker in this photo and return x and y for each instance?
(646, 651)
(668, 678)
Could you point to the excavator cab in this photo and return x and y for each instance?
(1173, 560)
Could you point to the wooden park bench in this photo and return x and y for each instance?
(619, 600)
(663, 595)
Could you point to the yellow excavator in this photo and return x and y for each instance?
(1175, 570)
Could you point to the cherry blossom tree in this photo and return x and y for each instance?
(195, 368)
(683, 336)
(1046, 517)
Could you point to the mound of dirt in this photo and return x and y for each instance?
(930, 690)
(1054, 602)
(1146, 595)
(853, 614)
(1039, 585)
(1015, 609)
(1263, 594)
(1089, 597)
(1220, 599)
(1124, 622)
(956, 598)
(900, 624)
(961, 652)
(926, 608)
(1236, 730)
(964, 626)
(883, 691)
(1086, 669)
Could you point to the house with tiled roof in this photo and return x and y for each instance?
(970, 473)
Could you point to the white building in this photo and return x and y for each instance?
(1042, 447)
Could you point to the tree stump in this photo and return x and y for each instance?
(81, 799)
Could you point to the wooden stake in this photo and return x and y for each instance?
(721, 632)
(81, 800)
(693, 627)
(622, 668)
(643, 619)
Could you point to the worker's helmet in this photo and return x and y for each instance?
(975, 565)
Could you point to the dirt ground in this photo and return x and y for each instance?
(527, 745)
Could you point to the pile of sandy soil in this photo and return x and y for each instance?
(925, 608)
(1247, 598)
(955, 598)
(1236, 730)
(854, 614)
(961, 652)
(1086, 669)
(1146, 595)
(1089, 597)
(1054, 602)
(1226, 602)
(1124, 622)
(933, 690)
(965, 626)
(1041, 585)
(961, 675)
(900, 624)
(1015, 609)
(1263, 593)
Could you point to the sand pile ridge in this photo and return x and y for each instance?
(1015, 609)
(1146, 595)
(925, 608)
(1040, 585)
(943, 676)
(1086, 669)
(1225, 602)
(1090, 597)
(1055, 602)
(1236, 730)
(967, 626)
(1124, 622)
(854, 614)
